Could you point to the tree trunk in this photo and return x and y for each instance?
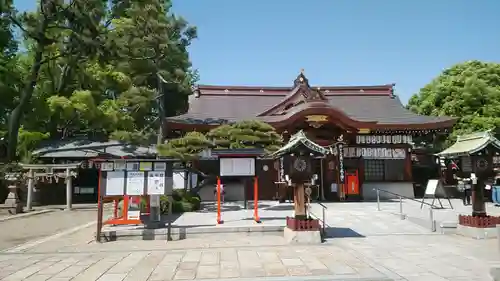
(26, 94)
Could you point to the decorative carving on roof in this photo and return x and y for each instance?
(297, 140)
(313, 95)
(301, 80)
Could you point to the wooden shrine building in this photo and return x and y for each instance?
(377, 129)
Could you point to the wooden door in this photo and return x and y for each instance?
(267, 176)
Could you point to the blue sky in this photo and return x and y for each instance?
(337, 42)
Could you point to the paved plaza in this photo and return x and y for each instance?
(27, 228)
(368, 245)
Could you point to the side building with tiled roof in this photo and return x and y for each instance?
(378, 129)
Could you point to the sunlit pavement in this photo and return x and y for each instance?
(385, 248)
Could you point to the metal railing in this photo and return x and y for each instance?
(401, 214)
(322, 220)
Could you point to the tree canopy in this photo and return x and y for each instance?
(244, 134)
(93, 68)
(469, 91)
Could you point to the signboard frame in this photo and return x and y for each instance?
(433, 185)
(225, 171)
(123, 167)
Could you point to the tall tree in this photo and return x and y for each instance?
(9, 70)
(151, 43)
(469, 91)
(77, 22)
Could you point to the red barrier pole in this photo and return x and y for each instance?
(99, 209)
(256, 200)
(219, 219)
(115, 208)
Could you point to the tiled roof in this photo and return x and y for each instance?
(92, 149)
(369, 103)
(296, 140)
(470, 144)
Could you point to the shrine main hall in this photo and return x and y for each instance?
(378, 132)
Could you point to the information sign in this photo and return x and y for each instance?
(115, 183)
(156, 183)
(135, 183)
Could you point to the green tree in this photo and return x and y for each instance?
(246, 134)
(150, 44)
(75, 22)
(9, 70)
(98, 70)
(186, 148)
(469, 91)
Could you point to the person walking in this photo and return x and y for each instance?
(222, 193)
(495, 192)
(467, 193)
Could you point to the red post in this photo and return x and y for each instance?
(125, 207)
(148, 204)
(219, 219)
(115, 208)
(256, 200)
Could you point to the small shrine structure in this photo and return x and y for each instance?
(301, 228)
(476, 156)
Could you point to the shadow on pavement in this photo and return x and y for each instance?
(229, 206)
(341, 232)
(280, 208)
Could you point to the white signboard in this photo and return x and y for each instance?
(107, 166)
(115, 183)
(135, 183)
(237, 166)
(377, 139)
(431, 188)
(160, 166)
(133, 214)
(132, 166)
(120, 165)
(156, 183)
(374, 152)
(178, 180)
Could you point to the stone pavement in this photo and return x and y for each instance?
(357, 218)
(374, 246)
(384, 257)
(20, 230)
(412, 208)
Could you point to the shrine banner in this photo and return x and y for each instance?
(340, 149)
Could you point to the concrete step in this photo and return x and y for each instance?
(114, 233)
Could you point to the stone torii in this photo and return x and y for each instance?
(36, 171)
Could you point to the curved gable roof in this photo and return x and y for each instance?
(374, 104)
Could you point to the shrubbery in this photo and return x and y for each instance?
(182, 202)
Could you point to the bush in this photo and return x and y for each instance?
(164, 204)
(182, 202)
(195, 202)
(181, 207)
(178, 194)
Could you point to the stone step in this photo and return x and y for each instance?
(110, 233)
